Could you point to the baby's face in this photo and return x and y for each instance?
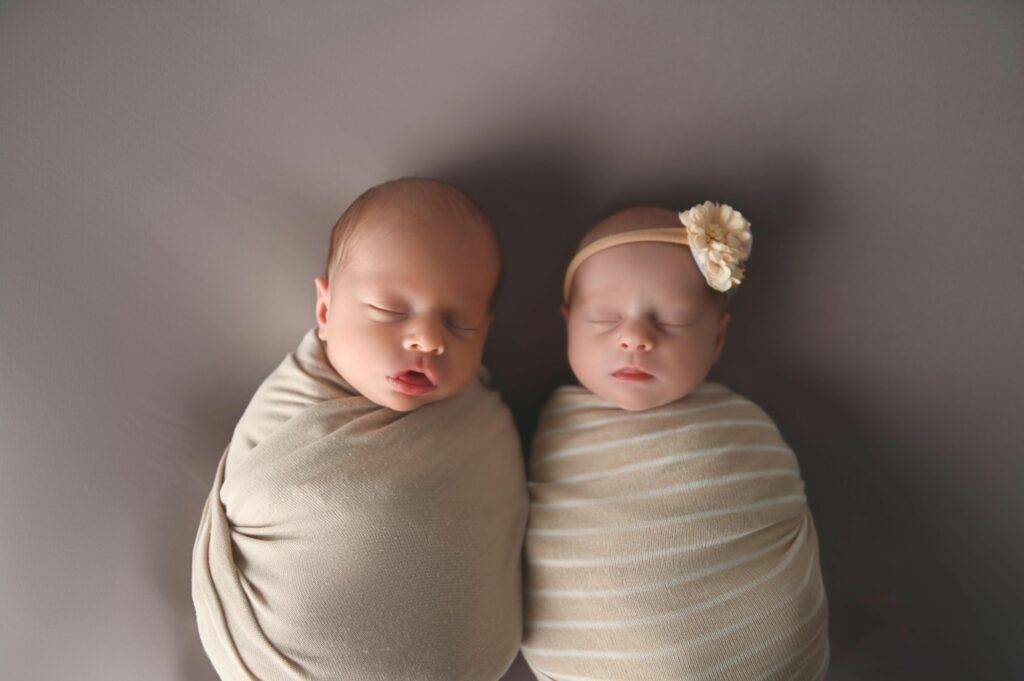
(643, 330)
(406, 316)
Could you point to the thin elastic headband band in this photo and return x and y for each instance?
(717, 235)
(669, 235)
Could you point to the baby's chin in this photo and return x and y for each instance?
(397, 401)
(635, 397)
(386, 396)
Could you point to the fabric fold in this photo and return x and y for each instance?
(344, 540)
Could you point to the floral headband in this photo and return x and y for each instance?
(718, 237)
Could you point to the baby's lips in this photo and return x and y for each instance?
(632, 373)
(427, 371)
(417, 378)
(412, 382)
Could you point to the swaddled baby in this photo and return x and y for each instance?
(669, 536)
(367, 518)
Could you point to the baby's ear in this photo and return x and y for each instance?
(723, 323)
(564, 309)
(323, 303)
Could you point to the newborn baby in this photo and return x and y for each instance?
(367, 518)
(669, 536)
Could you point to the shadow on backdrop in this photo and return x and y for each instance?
(540, 190)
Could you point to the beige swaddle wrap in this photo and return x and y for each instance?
(673, 543)
(344, 540)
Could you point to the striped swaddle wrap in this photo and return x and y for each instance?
(672, 543)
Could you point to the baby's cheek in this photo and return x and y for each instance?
(586, 361)
(465, 362)
(366, 350)
(693, 365)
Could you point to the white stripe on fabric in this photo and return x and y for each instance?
(632, 416)
(795, 673)
(579, 406)
(682, 612)
(664, 522)
(671, 489)
(636, 557)
(668, 583)
(566, 677)
(713, 672)
(662, 652)
(598, 403)
(789, 658)
(599, 446)
(818, 674)
(664, 461)
(595, 403)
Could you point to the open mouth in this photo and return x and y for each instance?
(412, 382)
(632, 374)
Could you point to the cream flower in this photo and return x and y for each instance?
(720, 240)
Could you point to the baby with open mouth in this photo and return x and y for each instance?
(366, 520)
(669, 535)
(406, 310)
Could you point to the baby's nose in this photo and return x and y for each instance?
(636, 339)
(639, 346)
(424, 340)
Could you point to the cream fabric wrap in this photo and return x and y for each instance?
(673, 543)
(344, 540)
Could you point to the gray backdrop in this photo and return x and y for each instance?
(171, 170)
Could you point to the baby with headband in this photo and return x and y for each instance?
(669, 535)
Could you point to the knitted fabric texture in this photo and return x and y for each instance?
(672, 543)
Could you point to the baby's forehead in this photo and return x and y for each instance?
(419, 242)
(404, 256)
(422, 231)
(657, 271)
(403, 205)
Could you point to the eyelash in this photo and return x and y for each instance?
(670, 325)
(386, 311)
(450, 324)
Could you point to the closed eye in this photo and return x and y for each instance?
(385, 314)
(455, 326)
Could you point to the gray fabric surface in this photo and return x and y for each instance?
(170, 173)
